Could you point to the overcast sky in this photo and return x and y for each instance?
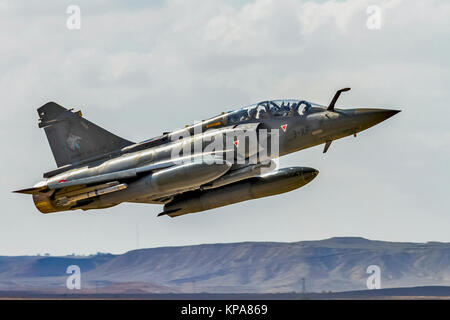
(139, 70)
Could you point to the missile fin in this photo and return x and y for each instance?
(168, 212)
(327, 145)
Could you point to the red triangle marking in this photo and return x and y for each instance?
(284, 127)
(60, 181)
(236, 143)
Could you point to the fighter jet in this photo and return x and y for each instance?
(206, 165)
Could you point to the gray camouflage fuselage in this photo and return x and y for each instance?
(148, 172)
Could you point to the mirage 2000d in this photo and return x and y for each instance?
(216, 162)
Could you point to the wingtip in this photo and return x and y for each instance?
(168, 213)
(32, 190)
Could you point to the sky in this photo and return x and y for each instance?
(141, 69)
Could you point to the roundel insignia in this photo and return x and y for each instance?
(284, 127)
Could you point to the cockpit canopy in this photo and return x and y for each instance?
(258, 112)
(273, 108)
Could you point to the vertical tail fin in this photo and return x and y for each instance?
(73, 138)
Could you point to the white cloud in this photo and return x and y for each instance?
(141, 69)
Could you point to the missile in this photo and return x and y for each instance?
(273, 183)
(173, 180)
(51, 202)
(67, 201)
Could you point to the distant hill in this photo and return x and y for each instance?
(336, 264)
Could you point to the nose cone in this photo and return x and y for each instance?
(366, 118)
(283, 180)
(308, 174)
